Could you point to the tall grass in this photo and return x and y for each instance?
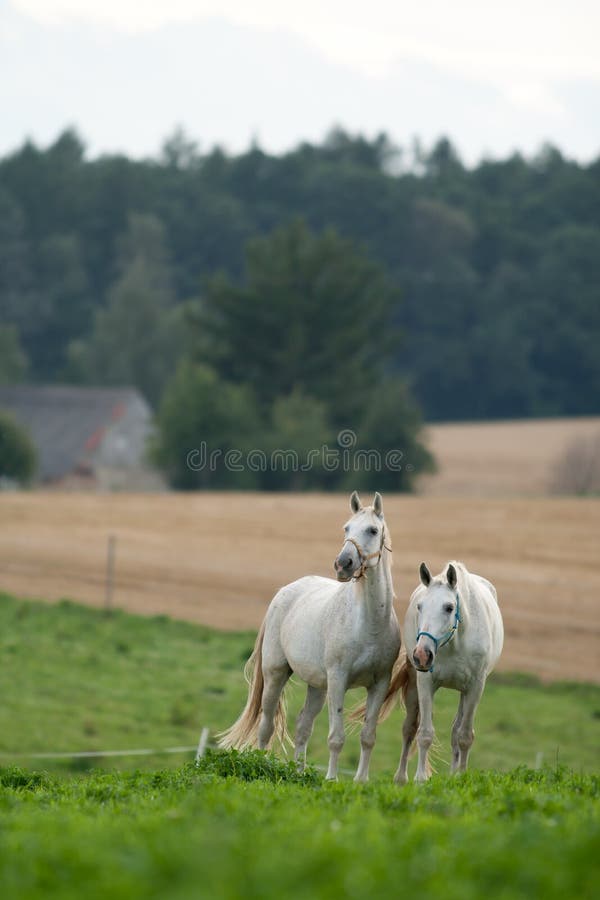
(247, 825)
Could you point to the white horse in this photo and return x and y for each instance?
(334, 637)
(454, 630)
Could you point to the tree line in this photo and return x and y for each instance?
(346, 284)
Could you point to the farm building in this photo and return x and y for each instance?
(86, 437)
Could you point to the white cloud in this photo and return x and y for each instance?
(537, 98)
(492, 81)
(545, 38)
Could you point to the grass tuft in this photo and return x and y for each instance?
(253, 765)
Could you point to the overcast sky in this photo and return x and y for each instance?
(494, 77)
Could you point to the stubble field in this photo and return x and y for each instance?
(217, 559)
(504, 458)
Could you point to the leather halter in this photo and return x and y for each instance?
(365, 557)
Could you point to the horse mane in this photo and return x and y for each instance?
(386, 558)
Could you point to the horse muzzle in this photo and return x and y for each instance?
(344, 566)
(422, 658)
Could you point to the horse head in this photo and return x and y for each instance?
(365, 537)
(438, 616)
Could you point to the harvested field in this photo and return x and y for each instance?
(218, 558)
(499, 459)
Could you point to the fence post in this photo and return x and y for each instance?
(202, 744)
(110, 574)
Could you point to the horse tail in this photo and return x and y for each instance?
(244, 732)
(399, 683)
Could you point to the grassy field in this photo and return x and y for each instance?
(248, 825)
(73, 679)
(218, 559)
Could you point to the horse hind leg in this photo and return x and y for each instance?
(409, 730)
(315, 698)
(274, 682)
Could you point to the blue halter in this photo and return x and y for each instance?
(448, 635)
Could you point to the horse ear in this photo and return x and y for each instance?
(451, 576)
(355, 504)
(378, 504)
(425, 574)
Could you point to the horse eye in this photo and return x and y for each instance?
(418, 607)
(373, 530)
(448, 607)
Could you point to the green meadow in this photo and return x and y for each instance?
(72, 678)
(239, 826)
(524, 822)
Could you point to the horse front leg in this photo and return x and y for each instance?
(455, 729)
(465, 734)
(375, 697)
(425, 734)
(336, 689)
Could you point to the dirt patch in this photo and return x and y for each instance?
(219, 558)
